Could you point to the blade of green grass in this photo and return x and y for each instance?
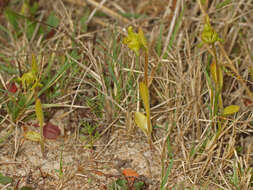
(223, 4)
(60, 72)
(165, 178)
(159, 41)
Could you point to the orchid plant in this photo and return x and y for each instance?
(136, 42)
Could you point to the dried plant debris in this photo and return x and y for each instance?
(132, 95)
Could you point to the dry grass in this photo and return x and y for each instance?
(100, 88)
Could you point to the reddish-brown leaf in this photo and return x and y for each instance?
(12, 87)
(51, 131)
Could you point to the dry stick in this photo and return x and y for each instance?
(3, 83)
(202, 8)
(94, 11)
(172, 25)
(103, 9)
(108, 11)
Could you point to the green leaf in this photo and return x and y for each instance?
(8, 68)
(119, 184)
(139, 185)
(141, 121)
(30, 29)
(52, 20)
(145, 96)
(15, 108)
(5, 179)
(223, 4)
(213, 71)
(34, 65)
(166, 176)
(12, 18)
(39, 112)
(57, 76)
(34, 8)
(230, 110)
(32, 136)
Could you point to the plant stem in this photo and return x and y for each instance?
(42, 145)
(40, 117)
(146, 83)
(146, 68)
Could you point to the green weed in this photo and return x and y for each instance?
(89, 134)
